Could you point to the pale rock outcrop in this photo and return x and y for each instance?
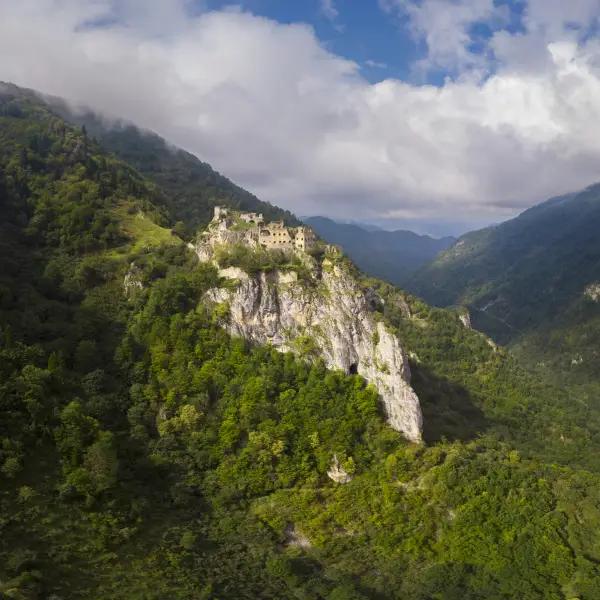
(287, 277)
(491, 344)
(592, 291)
(337, 314)
(465, 318)
(233, 273)
(295, 538)
(337, 473)
(132, 282)
(404, 307)
(218, 235)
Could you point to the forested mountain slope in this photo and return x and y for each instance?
(192, 188)
(530, 282)
(391, 255)
(144, 453)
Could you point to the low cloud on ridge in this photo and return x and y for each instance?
(268, 105)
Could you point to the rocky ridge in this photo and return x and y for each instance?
(331, 317)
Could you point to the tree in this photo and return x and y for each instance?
(75, 433)
(101, 462)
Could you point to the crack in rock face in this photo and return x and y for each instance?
(337, 316)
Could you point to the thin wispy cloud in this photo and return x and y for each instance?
(375, 64)
(446, 29)
(329, 9)
(331, 13)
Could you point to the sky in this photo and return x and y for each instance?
(439, 115)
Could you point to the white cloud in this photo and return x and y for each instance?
(329, 11)
(375, 64)
(556, 17)
(446, 28)
(269, 106)
(545, 22)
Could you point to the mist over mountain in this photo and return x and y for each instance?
(193, 188)
(390, 255)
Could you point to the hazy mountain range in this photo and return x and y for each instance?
(391, 255)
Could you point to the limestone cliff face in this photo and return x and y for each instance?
(337, 315)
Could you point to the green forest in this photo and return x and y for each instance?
(524, 283)
(146, 454)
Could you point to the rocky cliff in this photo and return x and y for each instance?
(332, 317)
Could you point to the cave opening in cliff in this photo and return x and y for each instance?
(353, 369)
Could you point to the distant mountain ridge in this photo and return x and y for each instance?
(391, 255)
(525, 280)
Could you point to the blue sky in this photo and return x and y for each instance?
(444, 115)
(362, 32)
(379, 40)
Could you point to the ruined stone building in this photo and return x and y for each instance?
(274, 235)
(305, 238)
(252, 218)
(220, 213)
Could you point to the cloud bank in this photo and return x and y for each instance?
(268, 105)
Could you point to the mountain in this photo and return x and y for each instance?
(391, 255)
(529, 282)
(192, 188)
(150, 449)
(338, 324)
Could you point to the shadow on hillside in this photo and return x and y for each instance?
(448, 409)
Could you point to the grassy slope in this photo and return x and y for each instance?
(141, 232)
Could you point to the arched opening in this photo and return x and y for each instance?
(353, 369)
